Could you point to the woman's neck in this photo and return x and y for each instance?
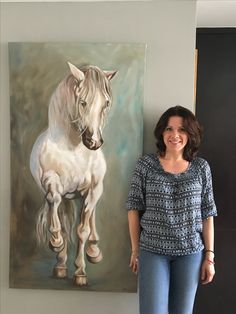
(174, 163)
(172, 157)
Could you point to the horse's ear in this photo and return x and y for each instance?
(110, 74)
(79, 75)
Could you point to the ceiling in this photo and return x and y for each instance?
(210, 13)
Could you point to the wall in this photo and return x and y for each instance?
(216, 13)
(168, 27)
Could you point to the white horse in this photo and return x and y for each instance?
(67, 162)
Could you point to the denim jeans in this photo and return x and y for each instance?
(168, 284)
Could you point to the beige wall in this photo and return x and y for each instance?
(168, 27)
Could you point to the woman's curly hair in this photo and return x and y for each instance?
(190, 125)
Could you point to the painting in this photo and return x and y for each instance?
(76, 133)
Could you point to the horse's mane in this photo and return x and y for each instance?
(94, 79)
(64, 104)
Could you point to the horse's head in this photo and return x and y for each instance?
(92, 102)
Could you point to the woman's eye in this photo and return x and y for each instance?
(168, 129)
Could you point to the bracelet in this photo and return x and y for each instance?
(210, 261)
(209, 251)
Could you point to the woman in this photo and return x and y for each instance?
(170, 213)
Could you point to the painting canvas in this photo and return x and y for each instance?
(76, 133)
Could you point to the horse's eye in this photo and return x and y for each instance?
(83, 103)
(107, 103)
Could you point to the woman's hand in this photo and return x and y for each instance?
(134, 231)
(207, 271)
(134, 262)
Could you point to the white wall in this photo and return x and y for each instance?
(216, 13)
(168, 27)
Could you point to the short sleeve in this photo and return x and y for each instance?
(136, 195)
(208, 206)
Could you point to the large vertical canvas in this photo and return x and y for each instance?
(35, 71)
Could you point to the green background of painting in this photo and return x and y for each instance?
(35, 71)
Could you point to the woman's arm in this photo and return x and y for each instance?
(208, 269)
(134, 231)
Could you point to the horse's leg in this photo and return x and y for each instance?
(53, 188)
(94, 254)
(80, 277)
(83, 231)
(52, 184)
(60, 269)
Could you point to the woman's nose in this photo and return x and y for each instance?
(175, 133)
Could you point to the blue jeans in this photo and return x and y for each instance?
(168, 284)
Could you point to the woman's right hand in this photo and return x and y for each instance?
(134, 262)
(134, 231)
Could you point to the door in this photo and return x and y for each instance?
(216, 111)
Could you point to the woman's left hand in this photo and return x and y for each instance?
(207, 272)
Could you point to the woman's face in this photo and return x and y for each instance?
(174, 136)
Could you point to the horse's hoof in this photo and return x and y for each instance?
(57, 248)
(94, 254)
(80, 280)
(60, 272)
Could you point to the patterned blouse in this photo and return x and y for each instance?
(173, 205)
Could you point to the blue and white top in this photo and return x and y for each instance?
(174, 205)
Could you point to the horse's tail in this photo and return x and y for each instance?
(42, 224)
(67, 216)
